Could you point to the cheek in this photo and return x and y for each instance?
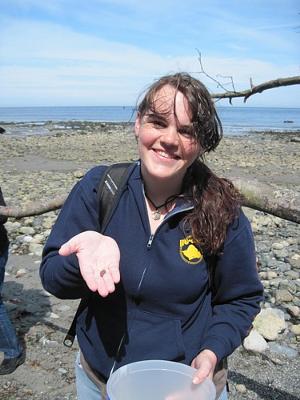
(191, 151)
(145, 139)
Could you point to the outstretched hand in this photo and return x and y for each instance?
(205, 363)
(99, 258)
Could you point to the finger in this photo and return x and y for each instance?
(115, 274)
(104, 281)
(108, 281)
(100, 277)
(89, 277)
(102, 288)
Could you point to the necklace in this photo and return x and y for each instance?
(156, 214)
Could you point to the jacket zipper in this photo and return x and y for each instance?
(151, 237)
(149, 244)
(150, 240)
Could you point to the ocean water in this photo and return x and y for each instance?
(235, 120)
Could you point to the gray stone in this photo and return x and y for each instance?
(280, 245)
(255, 342)
(36, 248)
(282, 266)
(283, 296)
(283, 350)
(295, 329)
(292, 274)
(27, 230)
(288, 285)
(281, 254)
(295, 262)
(294, 311)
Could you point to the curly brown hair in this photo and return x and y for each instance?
(216, 201)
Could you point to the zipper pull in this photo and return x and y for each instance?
(150, 240)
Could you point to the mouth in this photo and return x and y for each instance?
(167, 156)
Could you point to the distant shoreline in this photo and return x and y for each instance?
(235, 120)
(73, 127)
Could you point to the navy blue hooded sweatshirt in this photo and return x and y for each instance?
(164, 306)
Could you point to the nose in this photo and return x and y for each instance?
(170, 136)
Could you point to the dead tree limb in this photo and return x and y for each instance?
(230, 94)
(282, 203)
(292, 80)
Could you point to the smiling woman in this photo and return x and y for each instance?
(166, 143)
(174, 274)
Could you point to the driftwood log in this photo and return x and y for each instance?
(283, 203)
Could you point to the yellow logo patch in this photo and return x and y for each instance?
(189, 252)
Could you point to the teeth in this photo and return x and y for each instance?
(165, 155)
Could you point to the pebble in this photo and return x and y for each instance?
(20, 272)
(241, 388)
(46, 342)
(296, 329)
(62, 371)
(52, 315)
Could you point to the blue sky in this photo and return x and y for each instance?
(97, 52)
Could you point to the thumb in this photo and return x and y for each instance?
(201, 375)
(70, 247)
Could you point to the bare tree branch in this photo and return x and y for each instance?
(292, 80)
(202, 71)
(230, 94)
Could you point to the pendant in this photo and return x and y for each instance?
(156, 215)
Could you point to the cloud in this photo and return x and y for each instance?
(48, 64)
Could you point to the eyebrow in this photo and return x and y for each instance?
(164, 118)
(157, 115)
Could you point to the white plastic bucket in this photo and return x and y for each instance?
(157, 380)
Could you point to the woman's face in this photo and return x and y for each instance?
(165, 141)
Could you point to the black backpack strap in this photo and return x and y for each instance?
(70, 336)
(110, 189)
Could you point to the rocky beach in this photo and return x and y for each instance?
(40, 167)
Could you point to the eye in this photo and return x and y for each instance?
(157, 122)
(186, 132)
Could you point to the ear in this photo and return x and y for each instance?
(137, 125)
